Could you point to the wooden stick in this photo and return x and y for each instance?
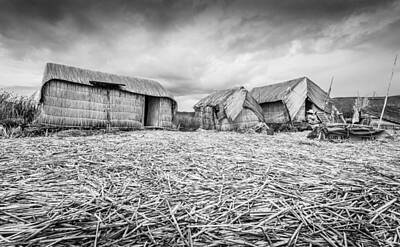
(387, 92)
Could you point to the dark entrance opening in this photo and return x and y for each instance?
(309, 106)
(151, 111)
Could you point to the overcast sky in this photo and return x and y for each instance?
(196, 47)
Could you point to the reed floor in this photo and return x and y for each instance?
(203, 188)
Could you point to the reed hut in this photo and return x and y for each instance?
(289, 101)
(230, 109)
(75, 97)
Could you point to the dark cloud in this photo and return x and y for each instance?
(49, 24)
(198, 46)
(27, 24)
(278, 10)
(36, 21)
(276, 23)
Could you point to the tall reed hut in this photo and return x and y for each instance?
(230, 109)
(74, 97)
(289, 101)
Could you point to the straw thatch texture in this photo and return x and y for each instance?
(275, 112)
(166, 113)
(229, 109)
(207, 117)
(69, 105)
(292, 95)
(16, 110)
(83, 76)
(161, 188)
(74, 97)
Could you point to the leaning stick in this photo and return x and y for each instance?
(387, 92)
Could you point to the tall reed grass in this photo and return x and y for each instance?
(16, 110)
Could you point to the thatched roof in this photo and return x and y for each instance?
(233, 101)
(280, 91)
(274, 92)
(215, 98)
(89, 77)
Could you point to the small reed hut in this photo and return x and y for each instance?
(289, 101)
(74, 97)
(231, 109)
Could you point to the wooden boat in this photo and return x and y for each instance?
(346, 131)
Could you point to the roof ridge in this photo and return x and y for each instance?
(98, 71)
(283, 82)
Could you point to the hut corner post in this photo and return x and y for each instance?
(387, 92)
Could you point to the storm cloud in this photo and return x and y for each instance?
(196, 47)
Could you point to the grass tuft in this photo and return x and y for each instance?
(16, 110)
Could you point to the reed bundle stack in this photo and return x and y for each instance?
(198, 189)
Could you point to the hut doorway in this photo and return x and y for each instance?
(151, 111)
(308, 106)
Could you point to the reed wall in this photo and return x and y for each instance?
(166, 113)
(275, 112)
(207, 117)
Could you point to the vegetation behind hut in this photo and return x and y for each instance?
(186, 121)
(16, 110)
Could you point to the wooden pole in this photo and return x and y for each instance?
(327, 96)
(387, 92)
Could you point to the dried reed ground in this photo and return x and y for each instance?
(198, 189)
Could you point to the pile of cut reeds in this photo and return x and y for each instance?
(160, 188)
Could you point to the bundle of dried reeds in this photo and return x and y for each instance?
(162, 188)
